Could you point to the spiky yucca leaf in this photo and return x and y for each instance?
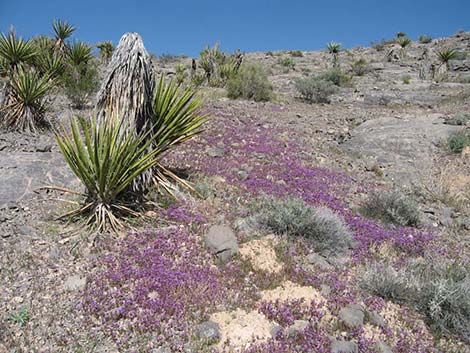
(404, 42)
(51, 64)
(80, 53)
(24, 109)
(15, 52)
(333, 47)
(62, 31)
(106, 161)
(446, 55)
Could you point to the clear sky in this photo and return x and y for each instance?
(185, 27)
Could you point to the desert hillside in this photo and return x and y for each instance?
(306, 201)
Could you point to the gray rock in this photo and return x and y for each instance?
(297, 326)
(404, 147)
(352, 315)
(208, 332)
(319, 261)
(161, 350)
(274, 330)
(217, 150)
(325, 290)
(75, 282)
(338, 346)
(446, 219)
(382, 347)
(221, 241)
(375, 319)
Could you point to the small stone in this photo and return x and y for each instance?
(325, 290)
(75, 282)
(447, 220)
(242, 175)
(344, 347)
(296, 327)
(208, 332)
(375, 319)
(25, 230)
(275, 329)
(352, 315)
(319, 261)
(217, 151)
(221, 241)
(382, 347)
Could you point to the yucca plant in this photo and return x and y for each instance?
(106, 50)
(51, 64)
(110, 155)
(25, 107)
(80, 53)
(106, 161)
(404, 42)
(334, 49)
(15, 52)
(62, 31)
(445, 56)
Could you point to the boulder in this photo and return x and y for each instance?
(338, 346)
(221, 241)
(352, 315)
(208, 332)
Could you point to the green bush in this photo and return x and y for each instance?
(80, 82)
(287, 63)
(296, 53)
(359, 67)
(425, 39)
(392, 207)
(459, 140)
(336, 76)
(437, 287)
(326, 231)
(315, 90)
(406, 79)
(250, 82)
(459, 119)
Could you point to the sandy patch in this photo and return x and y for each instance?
(261, 254)
(242, 328)
(292, 291)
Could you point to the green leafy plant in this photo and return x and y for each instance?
(296, 53)
(459, 140)
(25, 107)
(20, 317)
(80, 82)
(359, 67)
(62, 31)
(106, 50)
(107, 157)
(334, 49)
(336, 76)
(445, 56)
(404, 42)
(250, 82)
(15, 52)
(425, 39)
(406, 79)
(80, 53)
(315, 89)
(287, 63)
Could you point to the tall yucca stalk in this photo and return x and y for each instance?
(25, 108)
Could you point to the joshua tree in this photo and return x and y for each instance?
(106, 50)
(334, 49)
(62, 31)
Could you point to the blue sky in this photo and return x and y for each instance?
(185, 27)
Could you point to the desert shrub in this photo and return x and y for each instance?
(181, 73)
(107, 161)
(80, 82)
(437, 287)
(392, 207)
(250, 82)
(167, 58)
(460, 55)
(287, 63)
(381, 44)
(326, 230)
(219, 66)
(315, 90)
(359, 67)
(425, 39)
(197, 79)
(406, 79)
(459, 119)
(296, 53)
(336, 76)
(401, 35)
(459, 140)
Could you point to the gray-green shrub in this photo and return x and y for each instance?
(315, 90)
(425, 39)
(336, 76)
(437, 287)
(359, 67)
(459, 140)
(250, 82)
(459, 119)
(392, 207)
(326, 230)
